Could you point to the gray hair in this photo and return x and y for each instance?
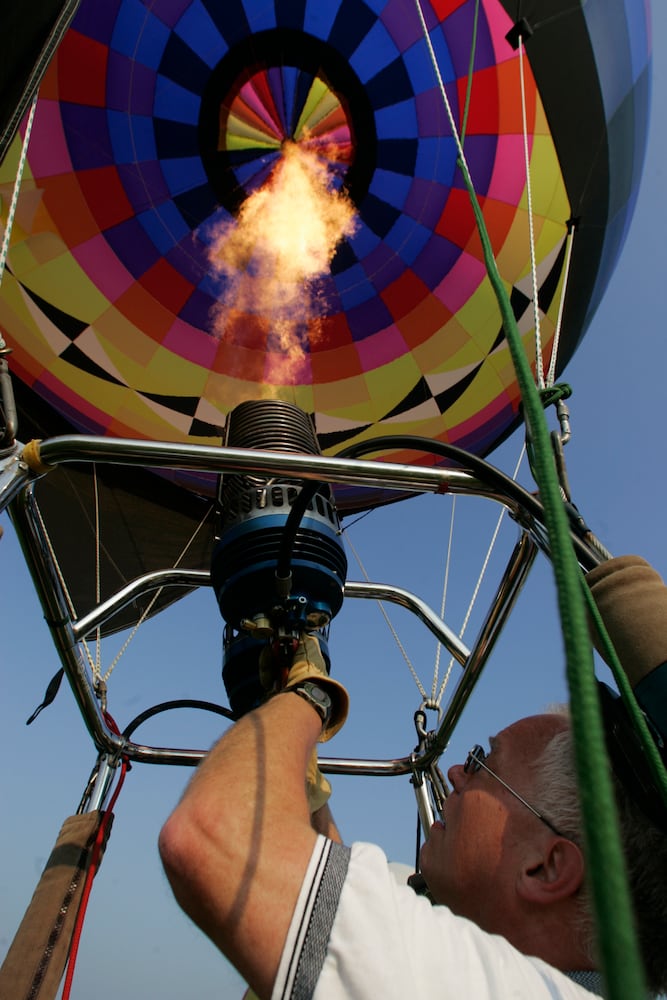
(644, 846)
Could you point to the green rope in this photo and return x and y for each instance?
(552, 394)
(619, 952)
(471, 67)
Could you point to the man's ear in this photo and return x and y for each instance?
(552, 874)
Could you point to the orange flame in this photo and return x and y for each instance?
(271, 257)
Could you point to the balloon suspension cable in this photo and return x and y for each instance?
(94, 662)
(380, 604)
(4, 250)
(458, 137)
(100, 684)
(569, 243)
(539, 361)
(443, 603)
(437, 698)
(63, 583)
(149, 607)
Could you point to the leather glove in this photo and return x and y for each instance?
(632, 601)
(308, 665)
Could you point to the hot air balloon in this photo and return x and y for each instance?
(155, 128)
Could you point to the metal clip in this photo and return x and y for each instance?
(420, 720)
(563, 414)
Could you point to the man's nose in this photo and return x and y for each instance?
(457, 775)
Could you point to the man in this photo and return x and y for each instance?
(296, 912)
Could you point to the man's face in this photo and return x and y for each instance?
(471, 861)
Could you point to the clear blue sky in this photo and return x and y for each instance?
(135, 941)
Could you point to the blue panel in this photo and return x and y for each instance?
(173, 103)
(200, 33)
(139, 34)
(164, 225)
(397, 121)
(183, 174)
(319, 17)
(289, 82)
(390, 187)
(132, 139)
(353, 287)
(408, 238)
(376, 49)
(364, 241)
(436, 160)
(419, 66)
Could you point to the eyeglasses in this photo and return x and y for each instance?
(475, 760)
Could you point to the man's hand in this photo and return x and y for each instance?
(309, 665)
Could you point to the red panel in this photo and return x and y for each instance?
(105, 195)
(169, 287)
(82, 70)
(457, 222)
(404, 294)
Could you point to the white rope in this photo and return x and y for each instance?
(61, 579)
(97, 672)
(441, 87)
(551, 374)
(147, 610)
(393, 631)
(539, 363)
(443, 602)
(4, 250)
(482, 574)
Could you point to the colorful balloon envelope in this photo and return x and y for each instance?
(157, 122)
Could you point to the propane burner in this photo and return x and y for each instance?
(279, 567)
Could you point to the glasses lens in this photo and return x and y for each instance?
(474, 759)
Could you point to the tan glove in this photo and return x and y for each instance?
(632, 600)
(318, 789)
(308, 664)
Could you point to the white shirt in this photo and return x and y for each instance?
(356, 934)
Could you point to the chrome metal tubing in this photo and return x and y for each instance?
(511, 584)
(59, 620)
(67, 632)
(523, 506)
(165, 454)
(141, 585)
(396, 595)
(14, 476)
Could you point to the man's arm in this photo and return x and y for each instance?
(237, 846)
